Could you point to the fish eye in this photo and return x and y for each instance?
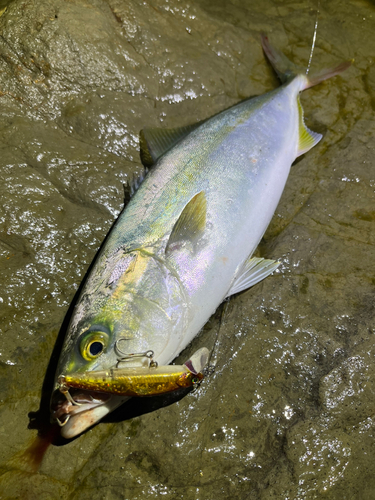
(93, 344)
(95, 348)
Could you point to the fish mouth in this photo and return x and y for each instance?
(65, 405)
(77, 409)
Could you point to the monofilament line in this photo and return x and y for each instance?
(314, 38)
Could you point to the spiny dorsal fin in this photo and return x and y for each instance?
(191, 223)
(133, 184)
(154, 142)
(307, 138)
(146, 156)
(254, 270)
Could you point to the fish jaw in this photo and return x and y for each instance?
(80, 422)
(81, 410)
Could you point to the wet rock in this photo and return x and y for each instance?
(347, 392)
(288, 411)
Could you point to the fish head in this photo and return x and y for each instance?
(138, 319)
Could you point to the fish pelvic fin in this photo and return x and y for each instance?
(254, 270)
(286, 70)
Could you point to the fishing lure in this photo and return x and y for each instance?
(139, 381)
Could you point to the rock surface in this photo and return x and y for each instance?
(290, 410)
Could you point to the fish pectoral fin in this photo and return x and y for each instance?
(307, 138)
(191, 223)
(253, 271)
(154, 142)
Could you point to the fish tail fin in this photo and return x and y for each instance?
(325, 74)
(286, 70)
(283, 67)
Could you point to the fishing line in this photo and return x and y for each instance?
(314, 38)
(211, 365)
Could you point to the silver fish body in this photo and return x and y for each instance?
(184, 241)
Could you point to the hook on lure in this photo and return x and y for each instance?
(127, 356)
(65, 390)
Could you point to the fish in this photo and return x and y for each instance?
(186, 238)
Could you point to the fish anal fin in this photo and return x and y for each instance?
(307, 138)
(253, 271)
(154, 142)
(191, 223)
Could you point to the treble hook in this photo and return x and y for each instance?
(61, 424)
(126, 356)
(65, 390)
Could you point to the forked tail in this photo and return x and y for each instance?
(286, 70)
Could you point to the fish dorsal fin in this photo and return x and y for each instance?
(307, 138)
(154, 142)
(133, 184)
(191, 223)
(254, 270)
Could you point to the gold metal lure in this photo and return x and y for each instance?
(132, 381)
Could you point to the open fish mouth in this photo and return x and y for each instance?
(82, 399)
(77, 409)
(73, 402)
